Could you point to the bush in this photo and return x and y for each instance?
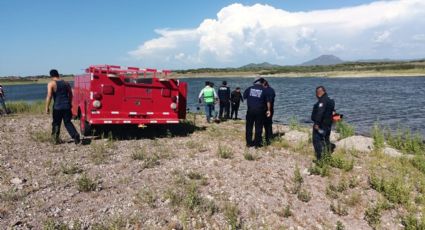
(411, 222)
(231, 213)
(304, 195)
(224, 152)
(26, 107)
(394, 189)
(406, 142)
(378, 137)
(373, 215)
(344, 129)
(85, 184)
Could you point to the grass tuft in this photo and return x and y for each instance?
(224, 152)
(344, 129)
(85, 184)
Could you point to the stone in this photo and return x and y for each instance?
(16, 181)
(358, 143)
(296, 136)
(392, 152)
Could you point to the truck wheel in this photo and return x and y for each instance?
(85, 127)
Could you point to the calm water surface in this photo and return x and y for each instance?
(393, 101)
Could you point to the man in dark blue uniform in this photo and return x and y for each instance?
(224, 98)
(322, 118)
(259, 106)
(268, 122)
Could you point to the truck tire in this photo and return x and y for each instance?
(85, 127)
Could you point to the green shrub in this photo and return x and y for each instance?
(224, 152)
(304, 195)
(339, 225)
(419, 162)
(378, 136)
(146, 196)
(85, 184)
(71, 168)
(394, 189)
(344, 129)
(26, 107)
(411, 222)
(231, 213)
(339, 209)
(406, 142)
(294, 124)
(373, 215)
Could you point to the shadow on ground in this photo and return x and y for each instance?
(131, 132)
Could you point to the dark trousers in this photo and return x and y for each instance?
(234, 110)
(268, 129)
(65, 115)
(224, 107)
(321, 142)
(254, 119)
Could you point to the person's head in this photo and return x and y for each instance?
(224, 83)
(238, 89)
(266, 84)
(54, 73)
(320, 91)
(207, 83)
(259, 81)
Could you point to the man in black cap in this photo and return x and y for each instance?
(322, 118)
(224, 98)
(259, 107)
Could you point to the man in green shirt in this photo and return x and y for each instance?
(209, 96)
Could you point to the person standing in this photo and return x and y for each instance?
(259, 105)
(235, 98)
(209, 96)
(322, 118)
(268, 122)
(224, 100)
(3, 109)
(61, 93)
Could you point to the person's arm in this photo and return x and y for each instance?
(49, 96)
(318, 116)
(245, 94)
(269, 109)
(241, 97)
(215, 96)
(200, 96)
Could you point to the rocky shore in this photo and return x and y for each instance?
(195, 176)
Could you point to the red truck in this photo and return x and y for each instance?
(111, 95)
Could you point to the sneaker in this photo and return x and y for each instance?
(77, 139)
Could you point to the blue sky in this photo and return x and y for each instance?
(70, 35)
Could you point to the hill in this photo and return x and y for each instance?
(264, 65)
(323, 60)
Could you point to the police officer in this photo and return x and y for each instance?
(210, 96)
(322, 118)
(224, 99)
(259, 106)
(3, 109)
(235, 98)
(268, 122)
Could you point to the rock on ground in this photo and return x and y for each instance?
(296, 136)
(358, 143)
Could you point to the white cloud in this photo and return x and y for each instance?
(242, 34)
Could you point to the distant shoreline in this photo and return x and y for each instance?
(252, 74)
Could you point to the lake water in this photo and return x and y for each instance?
(393, 101)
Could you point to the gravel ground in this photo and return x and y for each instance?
(168, 180)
